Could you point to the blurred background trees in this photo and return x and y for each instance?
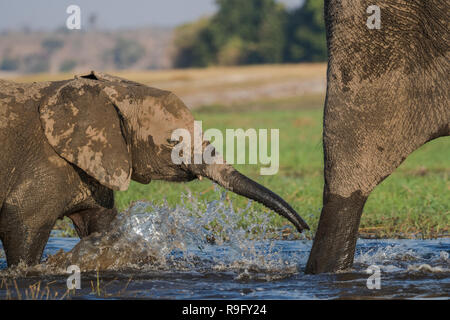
(253, 32)
(306, 33)
(239, 33)
(126, 52)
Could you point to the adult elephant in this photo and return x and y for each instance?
(66, 145)
(387, 95)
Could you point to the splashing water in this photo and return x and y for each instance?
(401, 257)
(200, 236)
(210, 250)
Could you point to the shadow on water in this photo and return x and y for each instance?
(202, 250)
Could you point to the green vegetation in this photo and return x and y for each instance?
(412, 202)
(253, 32)
(306, 34)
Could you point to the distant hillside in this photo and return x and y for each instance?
(284, 86)
(64, 50)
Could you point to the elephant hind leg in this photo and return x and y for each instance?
(349, 179)
(335, 240)
(93, 220)
(352, 171)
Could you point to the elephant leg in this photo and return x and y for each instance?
(353, 168)
(23, 241)
(350, 177)
(356, 160)
(93, 220)
(335, 241)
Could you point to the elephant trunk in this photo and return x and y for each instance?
(229, 178)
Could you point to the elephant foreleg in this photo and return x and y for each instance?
(23, 241)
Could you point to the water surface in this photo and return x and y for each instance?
(156, 252)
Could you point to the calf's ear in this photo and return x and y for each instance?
(84, 127)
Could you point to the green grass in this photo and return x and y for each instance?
(413, 202)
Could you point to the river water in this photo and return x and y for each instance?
(157, 252)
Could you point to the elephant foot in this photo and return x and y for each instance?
(335, 241)
(25, 246)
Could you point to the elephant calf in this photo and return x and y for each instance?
(66, 145)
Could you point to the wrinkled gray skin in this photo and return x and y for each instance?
(387, 95)
(67, 145)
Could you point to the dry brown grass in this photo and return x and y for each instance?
(224, 85)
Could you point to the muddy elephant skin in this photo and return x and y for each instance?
(387, 95)
(67, 145)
